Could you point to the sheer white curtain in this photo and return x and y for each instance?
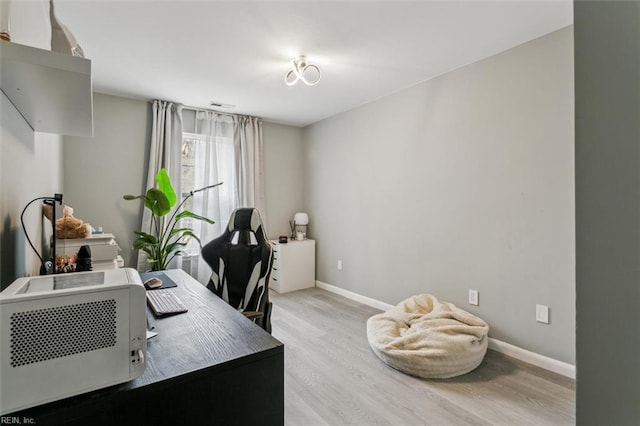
(213, 162)
(166, 138)
(222, 148)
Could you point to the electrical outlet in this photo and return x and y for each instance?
(339, 264)
(542, 314)
(474, 297)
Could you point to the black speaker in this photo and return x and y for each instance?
(83, 261)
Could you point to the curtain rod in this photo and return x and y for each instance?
(196, 109)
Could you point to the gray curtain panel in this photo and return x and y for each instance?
(166, 142)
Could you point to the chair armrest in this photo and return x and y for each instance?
(253, 314)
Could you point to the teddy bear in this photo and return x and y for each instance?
(67, 226)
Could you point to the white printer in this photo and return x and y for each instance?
(66, 334)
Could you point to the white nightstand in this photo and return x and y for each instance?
(294, 265)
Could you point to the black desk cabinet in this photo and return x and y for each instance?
(209, 366)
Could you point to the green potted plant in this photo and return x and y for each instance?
(165, 238)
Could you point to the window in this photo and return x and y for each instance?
(207, 160)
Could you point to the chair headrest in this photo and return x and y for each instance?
(245, 227)
(245, 219)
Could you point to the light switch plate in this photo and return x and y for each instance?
(474, 297)
(542, 314)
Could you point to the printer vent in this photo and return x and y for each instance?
(44, 334)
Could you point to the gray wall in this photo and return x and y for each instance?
(461, 182)
(607, 62)
(98, 171)
(284, 174)
(30, 167)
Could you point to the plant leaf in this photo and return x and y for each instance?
(190, 234)
(165, 186)
(157, 202)
(148, 238)
(176, 230)
(187, 213)
(133, 197)
(145, 246)
(173, 247)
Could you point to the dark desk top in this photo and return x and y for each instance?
(210, 337)
(210, 334)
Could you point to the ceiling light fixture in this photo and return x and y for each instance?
(308, 73)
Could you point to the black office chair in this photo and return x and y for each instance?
(240, 260)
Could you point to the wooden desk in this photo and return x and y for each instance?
(209, 366)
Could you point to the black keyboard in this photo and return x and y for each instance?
(165, 302)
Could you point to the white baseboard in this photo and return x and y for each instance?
(563, 368)
(508, 349)
(354, 296)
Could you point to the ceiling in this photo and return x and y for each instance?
(233, 52)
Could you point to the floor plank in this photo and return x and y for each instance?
(333, 378)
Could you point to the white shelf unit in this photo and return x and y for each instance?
(294, 266)
(51, 90)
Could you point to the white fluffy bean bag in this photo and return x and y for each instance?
(427, 338)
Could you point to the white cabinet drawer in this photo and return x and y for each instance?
(293, 266)
(275, 271)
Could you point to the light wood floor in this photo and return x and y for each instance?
(333, 378)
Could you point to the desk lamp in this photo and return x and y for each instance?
(52, 202)
(301, 222)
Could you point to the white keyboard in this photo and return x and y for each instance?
(165, 302)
